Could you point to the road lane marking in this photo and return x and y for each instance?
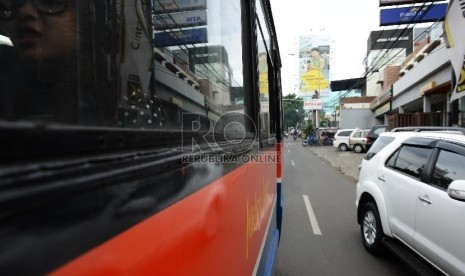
(288, 150)
(311, 215)
(292, 162)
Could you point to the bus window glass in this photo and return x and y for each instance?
(199, 52)
(166, 59)
(263, 44)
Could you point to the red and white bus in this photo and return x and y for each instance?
(139, 137)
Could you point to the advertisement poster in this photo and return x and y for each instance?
(314, 65)
(454, 26)
(263, 70)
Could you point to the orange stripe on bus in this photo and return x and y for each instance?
(217, 230)
(279, 149)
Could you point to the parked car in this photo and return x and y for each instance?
(411, 199)
(358, 140)
(373, 134)
(341, 139)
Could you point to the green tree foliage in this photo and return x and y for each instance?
(293, 107)
(308, 129)
(324, 122)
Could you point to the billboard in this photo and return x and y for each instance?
(164, 6)
(315, 104)
(208, 54)
(180, 20)
(453, 28)
(390, 39)
(183, 37)
(416, 14)
(314, 65)
(400, 2)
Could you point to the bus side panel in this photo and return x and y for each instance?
(218, 230)
(266, 264)
(280, 199)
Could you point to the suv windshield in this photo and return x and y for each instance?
(378, 145)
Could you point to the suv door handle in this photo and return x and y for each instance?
(382, 178)
(425, 199)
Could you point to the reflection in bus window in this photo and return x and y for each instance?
(38, 77)
(198, 55)
(68, 65)
(263, 71)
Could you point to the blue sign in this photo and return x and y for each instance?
(416, 14)
(183, 37)
(383, 3)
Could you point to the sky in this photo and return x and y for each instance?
(347, 22)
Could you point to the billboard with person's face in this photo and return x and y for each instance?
(314, 60)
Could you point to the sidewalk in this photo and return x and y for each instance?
(346, 162)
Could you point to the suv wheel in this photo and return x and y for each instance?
(371, 229)
(343, 147)
(358, 148)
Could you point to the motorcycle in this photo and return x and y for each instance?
(327, 141)
(310, 141)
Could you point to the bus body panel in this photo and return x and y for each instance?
(211, 232)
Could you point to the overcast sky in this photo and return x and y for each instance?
(347, 22)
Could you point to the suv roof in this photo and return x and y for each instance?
(429, 128)
(407, 135)
(411, 137)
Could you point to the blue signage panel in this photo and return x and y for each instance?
(183, 37)
(417, 14)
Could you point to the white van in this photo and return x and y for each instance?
(341, 139)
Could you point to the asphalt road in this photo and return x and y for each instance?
(320, 235)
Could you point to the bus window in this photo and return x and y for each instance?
(202, 64)
(265, 75)
(128, 137)
(124, 73)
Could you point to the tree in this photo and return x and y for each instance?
(293, 108)
(324, 122)
(309, 129)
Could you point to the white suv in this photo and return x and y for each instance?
(411, 198)
(341, 139)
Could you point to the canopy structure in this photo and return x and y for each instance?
(348, 84)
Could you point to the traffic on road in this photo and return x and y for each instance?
(320, 232)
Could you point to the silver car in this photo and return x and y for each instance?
(358, 140)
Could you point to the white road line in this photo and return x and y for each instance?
(311, 215)
(292, 162)
(288, 150)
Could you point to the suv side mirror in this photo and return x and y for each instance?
(456, 190)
